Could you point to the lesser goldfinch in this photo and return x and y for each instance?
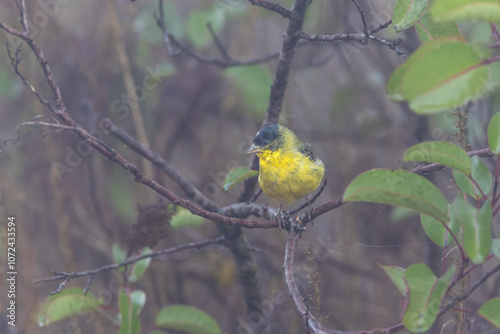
(288, 169)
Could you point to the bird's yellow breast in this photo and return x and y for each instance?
(288, 175)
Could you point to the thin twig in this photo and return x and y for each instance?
(274, 7)
(15, 60)
(66, 277)
(363, 19)
(218, 43)
(219, 62)
(21, 6)
(321, 210)
(470, 291)
(160, 21)
(175, 48)
(380, 27)
(358, 37)
(311, 201)
(155, 158)
(312, 323)
(496, 36)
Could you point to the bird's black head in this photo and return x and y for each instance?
(266, 135)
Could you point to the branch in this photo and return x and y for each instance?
(61, 111)
(155, 158)
(470, 291)
(363, 19)
(308, 203)
(218, 43)
(306, 218)
(280, 82)
(235, 239)
(358, 37)
(380, 27)
(274, 7)
(171, 43)
(312, 324)
(287, 53)
(15, 61)
(66, 277)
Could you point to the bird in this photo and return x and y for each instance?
(288, 169)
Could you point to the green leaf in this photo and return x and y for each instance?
(494, 134)
(119, 253)
(495, 247)
(442, 74)
(426, 292)
(396, 275)
(140, 267)
(435, 230)
(464, 183)
(188, 319)
(448, 75)
(407, 12)
(489, 312)
(480, 173)
(429, 30)
(253, 84)
(443, 153)
(130, 307)
(236, 175)
(185, 218)
(395, 83)
(65, 304)
(398, 188)
(484, 10)
(477, 229)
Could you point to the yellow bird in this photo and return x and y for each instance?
(288, 170)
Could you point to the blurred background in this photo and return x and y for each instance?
(72, 205)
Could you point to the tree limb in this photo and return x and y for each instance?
(66, 277)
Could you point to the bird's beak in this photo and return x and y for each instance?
(254, 149)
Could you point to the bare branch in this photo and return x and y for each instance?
(112, 155)
(304, 219)
(15, 60)
(218, 43)
(311, 201)
(363, 19)
(216, 61)
(478, 283)
(280, 82)
(155, 158)
(391, 45)
(21, 6)
(358, 37)
(171, 43)
(66, 277)
(313, 325)
(380, 27)
(274, 7)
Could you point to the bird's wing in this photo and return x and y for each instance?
(306, 150)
